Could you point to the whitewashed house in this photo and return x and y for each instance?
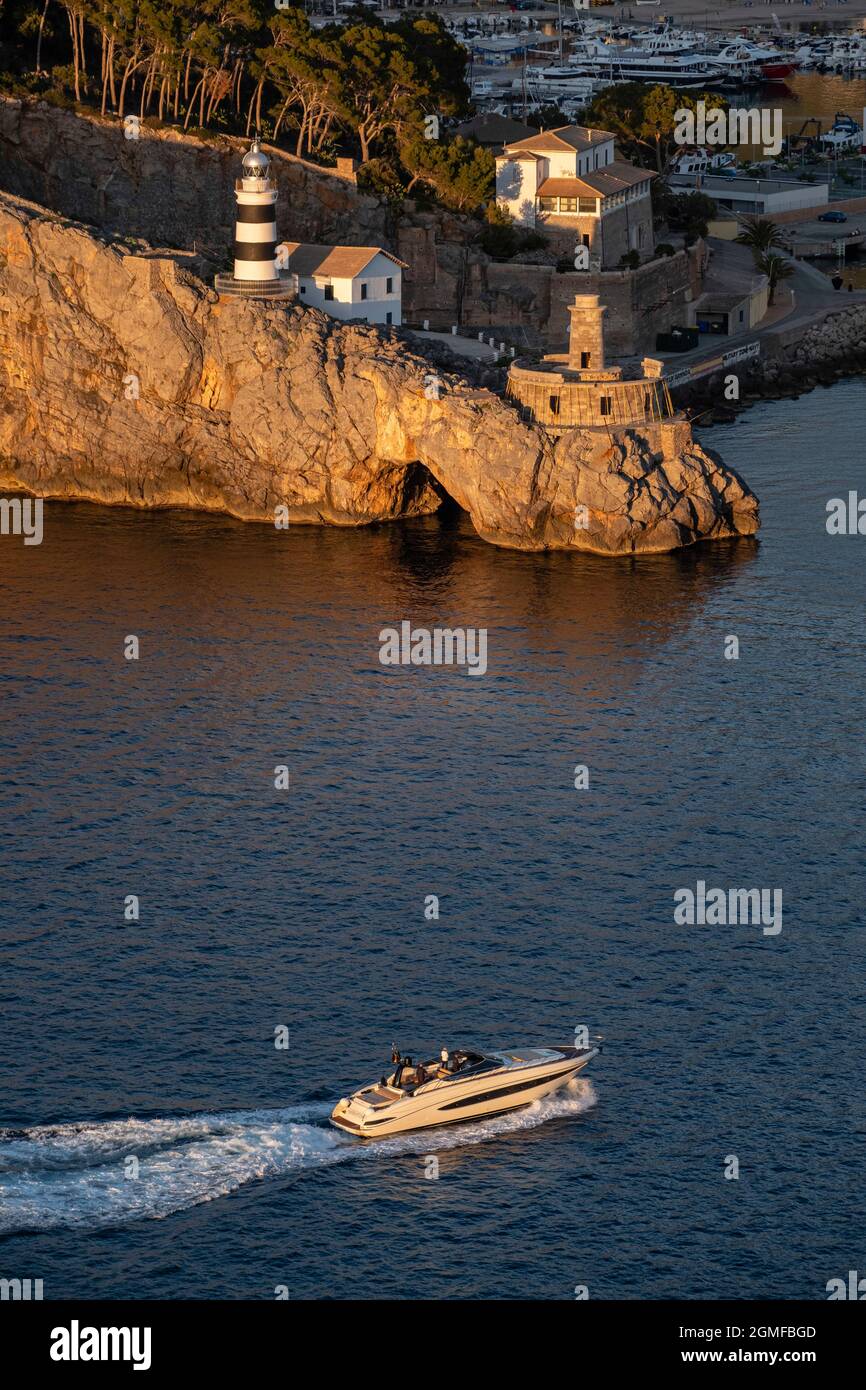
(569, 184)
(347, 282)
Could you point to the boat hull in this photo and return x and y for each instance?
(777, 72)
(442, 1103)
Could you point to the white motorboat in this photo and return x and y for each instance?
(593, 59)
(846, 54)
(844, 134)
(457, 1087)
(770, 64)
(736, 63)
(700, 161)
(562, 81)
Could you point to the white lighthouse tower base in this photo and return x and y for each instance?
(256, 273)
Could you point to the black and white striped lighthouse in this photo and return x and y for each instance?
(256, 273)
(256, 227)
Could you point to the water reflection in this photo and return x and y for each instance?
(235, 617)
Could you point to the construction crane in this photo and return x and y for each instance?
(800, 140)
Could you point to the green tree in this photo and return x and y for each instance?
(688, 213)
(547, 117)
(440, 61)
(776, 268)
(643, 119)
(299, 65)
(460, 171)
(377, 87)
(759, 233)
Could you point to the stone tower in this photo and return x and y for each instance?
(579, 389)
(586, 335)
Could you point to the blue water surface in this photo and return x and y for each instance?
(305, 908)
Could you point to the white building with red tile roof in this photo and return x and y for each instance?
(347, 282)
(569, 184)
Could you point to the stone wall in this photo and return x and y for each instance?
(177, 190)
(639, 303)
(628, 227)
(559, 401)
(528, 304)
(170, 188)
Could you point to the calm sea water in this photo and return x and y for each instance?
(304, 908)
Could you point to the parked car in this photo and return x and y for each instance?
(833, 216)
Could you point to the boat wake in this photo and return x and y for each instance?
(75, 1175)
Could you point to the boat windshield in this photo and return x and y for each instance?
(409, 1075)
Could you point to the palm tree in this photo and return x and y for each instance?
(761, 234)
(776, 268)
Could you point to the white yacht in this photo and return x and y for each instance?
(593, 59)
(700, 161)
(845, 55)
(737, 63)
(457, 1087)
(844, 134)
(561, 81)
(770, 64)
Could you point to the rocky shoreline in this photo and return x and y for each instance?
(829, 351)
(125, 379)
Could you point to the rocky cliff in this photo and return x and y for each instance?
(123, 379)
(177, 189)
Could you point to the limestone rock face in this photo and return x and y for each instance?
(123, 379)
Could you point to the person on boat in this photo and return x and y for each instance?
(449, 1063)
(399, 1064)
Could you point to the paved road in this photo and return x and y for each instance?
(814, 298)
(464, 347)
(812, 237)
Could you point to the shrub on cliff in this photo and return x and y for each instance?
(502, 240)
(381, 179)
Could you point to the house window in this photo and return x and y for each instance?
(303, 289)
(547, 205)
(586, 204)
(741, 316)
(585, 358)
(585, 238)
(606, 405)
(389, 317)
(389, 285)
(553, 402)
(568, 205)
(329, 291)
(363, 289)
